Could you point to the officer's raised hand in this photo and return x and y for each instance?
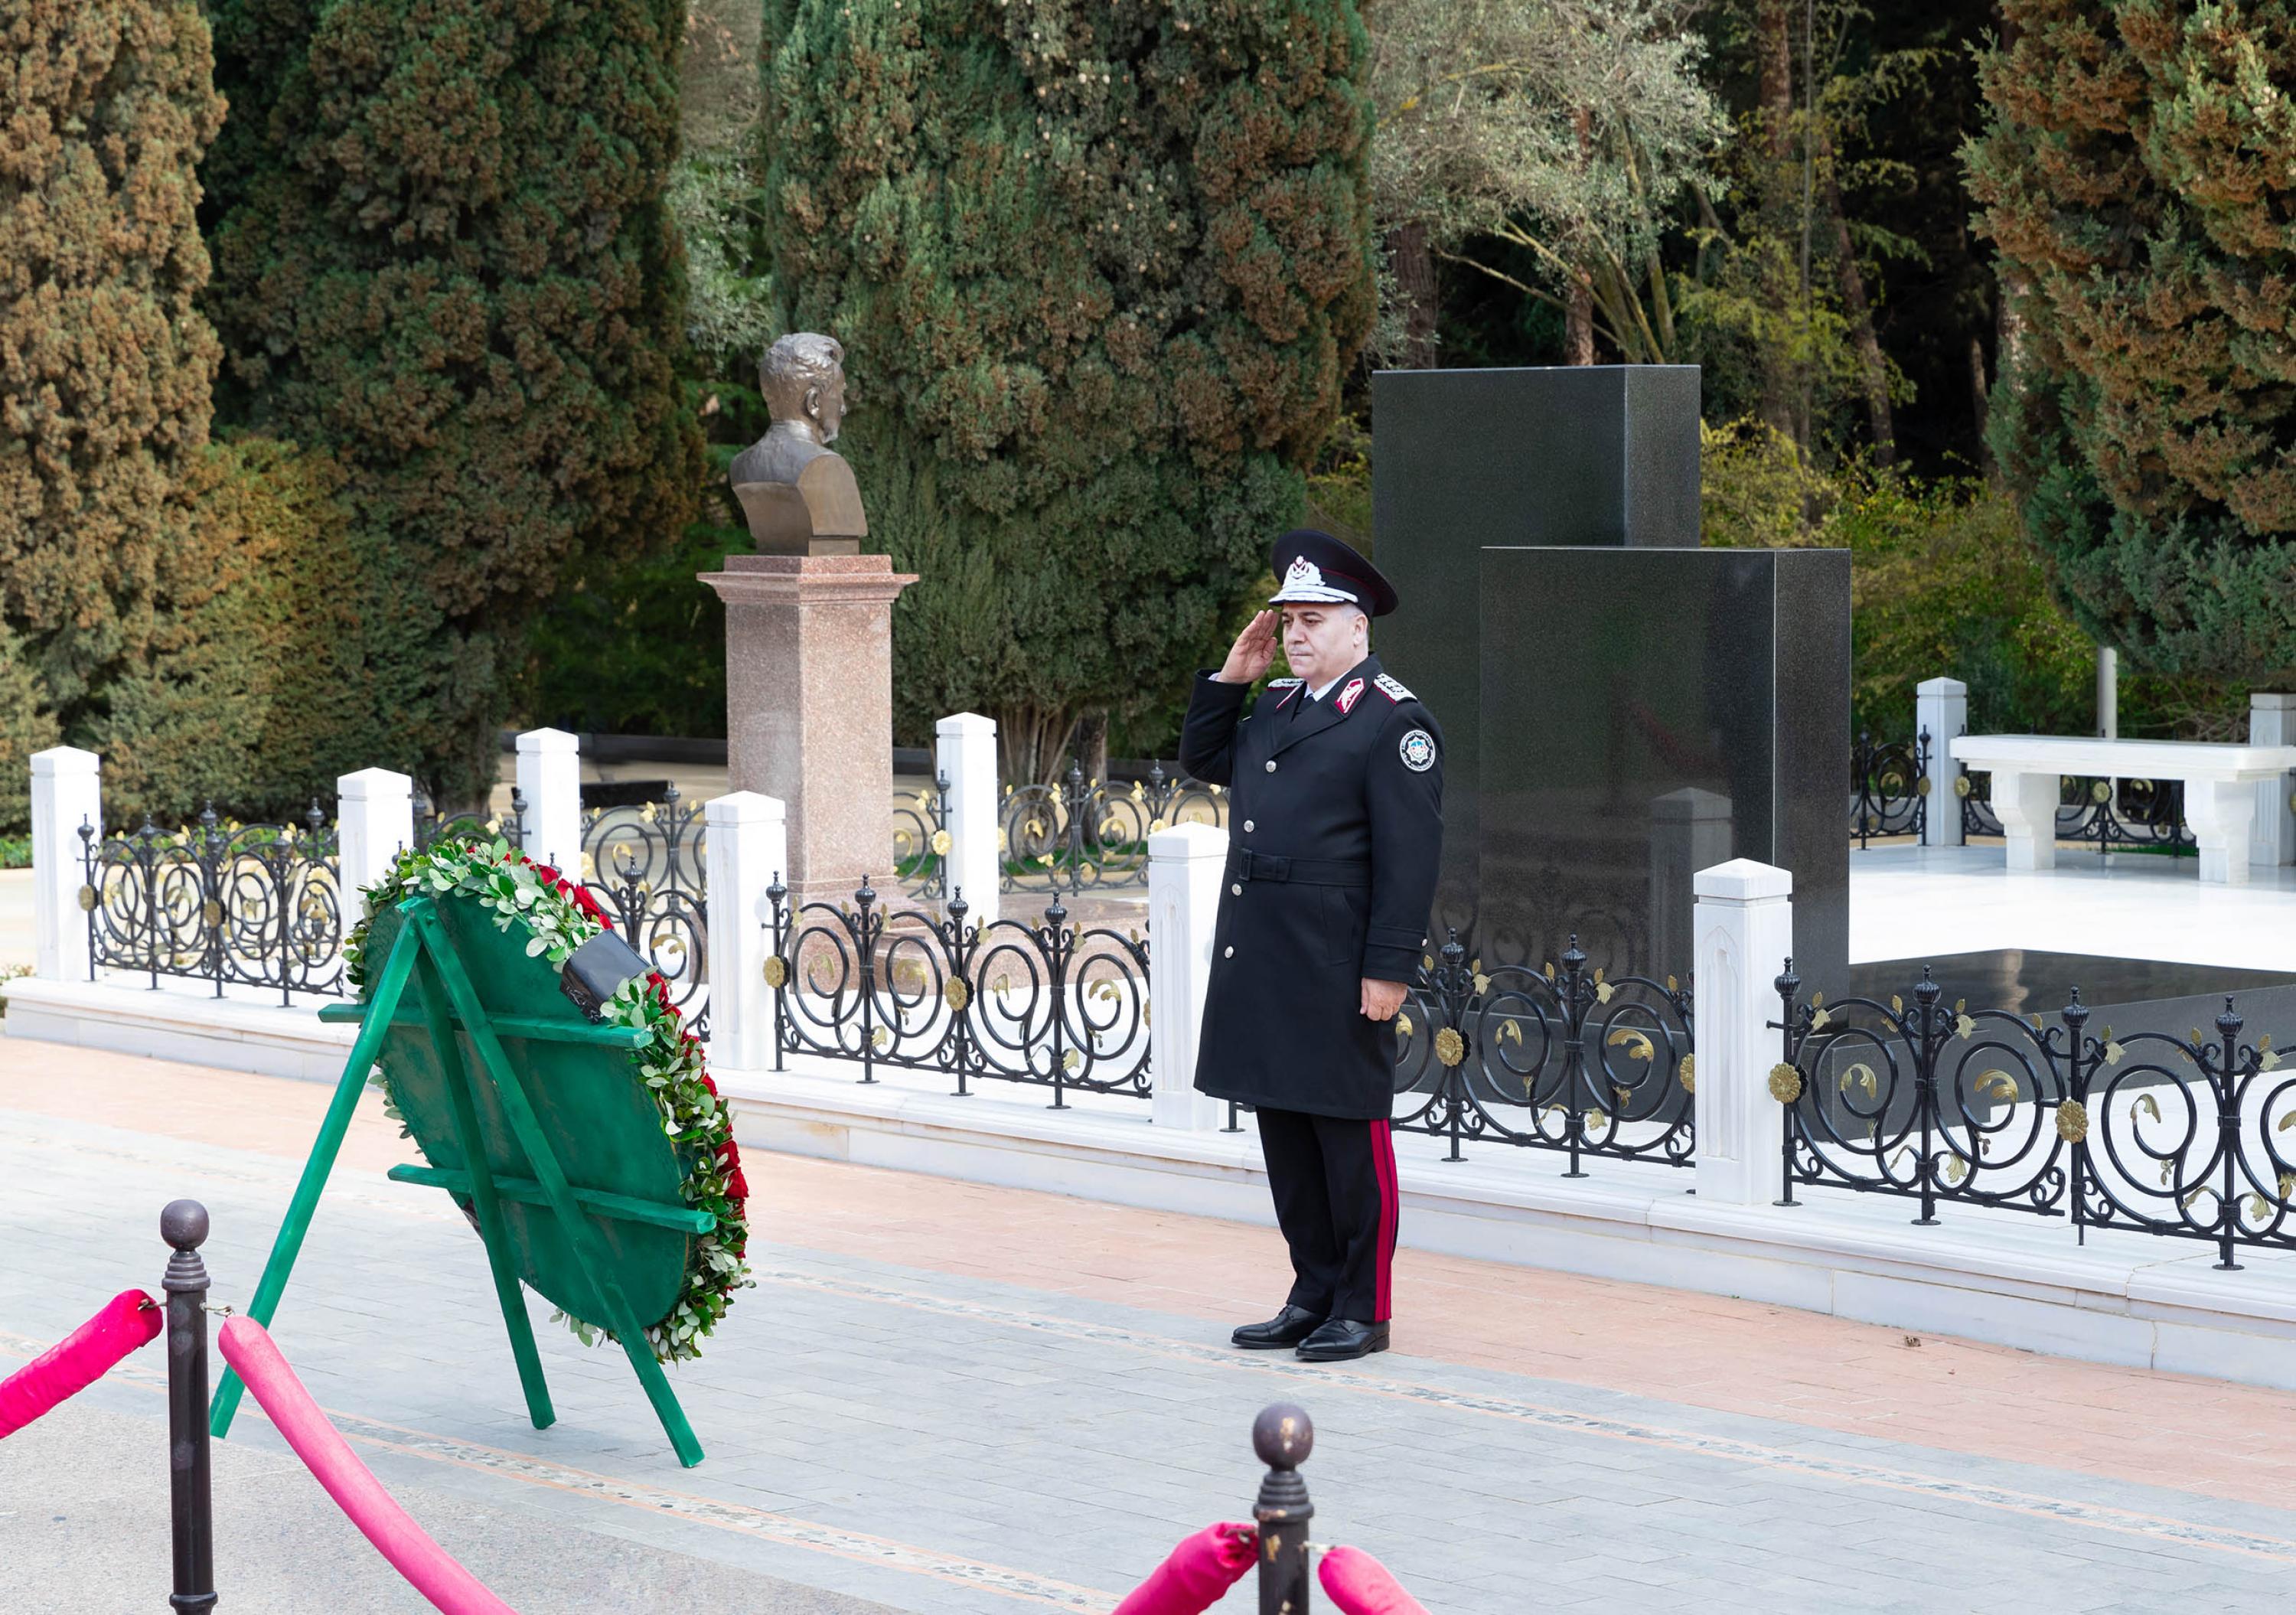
(1253, 649)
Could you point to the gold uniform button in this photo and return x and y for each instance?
(1271, 765)
(1236, 891)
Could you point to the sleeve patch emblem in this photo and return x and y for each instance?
(1418, 752)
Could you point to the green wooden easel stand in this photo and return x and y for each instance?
(425, 955)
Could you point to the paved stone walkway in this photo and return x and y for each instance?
(943, 1396)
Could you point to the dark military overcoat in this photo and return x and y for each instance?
(1335, 828)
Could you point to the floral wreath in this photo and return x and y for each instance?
(561, 915)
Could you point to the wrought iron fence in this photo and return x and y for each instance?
(237, 904)
(645, 865)
(2132, 813)
(2191, 1138)
(1080, 834)
(433, 824)
(1548, 1059)
(1055, 1005)
(1890, 787)
(921, 841)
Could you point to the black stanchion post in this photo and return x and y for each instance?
(1282, 1437)
(184, 1224)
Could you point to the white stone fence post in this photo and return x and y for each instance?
(1745, 934)
(964, 745)
(375, 819)
(1184, 876)
(2272, 833)
(1942, 710)
(748, 852)
(550, 780)
(67, 792)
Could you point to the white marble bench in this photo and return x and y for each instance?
(2220, 788)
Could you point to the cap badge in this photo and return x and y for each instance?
(1304, 575)
(1350, 696)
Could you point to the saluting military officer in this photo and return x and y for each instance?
(1335, 827)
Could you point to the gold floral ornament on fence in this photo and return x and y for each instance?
(1686, 1073)
(1998, 1085)
(1786, 1083)
(2073, 1120)
(1635, 1041)
(1450, 1048)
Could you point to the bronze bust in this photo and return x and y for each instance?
(798, 494)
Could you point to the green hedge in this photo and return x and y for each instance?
(248, 692)
(1942, 583)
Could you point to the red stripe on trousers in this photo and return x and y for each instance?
(1382, 1166)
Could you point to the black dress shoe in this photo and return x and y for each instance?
(1288, 1327)
(1341, 1339)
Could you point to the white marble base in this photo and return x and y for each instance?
(182, 1020)
(1909, 902)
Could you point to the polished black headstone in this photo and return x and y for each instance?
(1464, 459)
(1646, 714)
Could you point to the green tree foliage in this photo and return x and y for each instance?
(2134, 179)
(249, 677)
(1941, 583)
(105, 365)
(631, 644)
(443, 256)
(26, 726)
(1099, 267)
(1567, 128)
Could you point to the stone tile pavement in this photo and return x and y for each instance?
(943, 1396)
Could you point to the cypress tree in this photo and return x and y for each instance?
(2134, 180)
(106, 362)
(1099, 267)
(443, 257)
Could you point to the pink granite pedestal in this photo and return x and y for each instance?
(809, 708)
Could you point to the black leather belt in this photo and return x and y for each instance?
(1245, 864)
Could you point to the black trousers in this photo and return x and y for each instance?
(1333, 1180)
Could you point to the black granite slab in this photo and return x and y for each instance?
(2129, 995)
(1647, 713)
(1462, 459)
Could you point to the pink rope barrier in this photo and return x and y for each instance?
(128, 1320)
(1360, 1585)
(1195, 1574)
(429, 1568)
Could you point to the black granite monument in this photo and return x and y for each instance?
(1647, 714)
(1620, 709)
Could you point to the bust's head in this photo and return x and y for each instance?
(803, 379)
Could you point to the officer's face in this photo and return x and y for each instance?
(1322, 641)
